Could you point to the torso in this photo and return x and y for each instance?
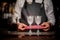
(34, 9)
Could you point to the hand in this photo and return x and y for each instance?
(21, 26)
(46, 26)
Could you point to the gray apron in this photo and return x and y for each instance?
(35, 9)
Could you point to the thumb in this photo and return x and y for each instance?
(43, 24)
(24, 25)
(18, 23)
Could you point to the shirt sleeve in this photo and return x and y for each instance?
(49, 11)
(17, 13)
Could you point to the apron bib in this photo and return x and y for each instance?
(34, 9)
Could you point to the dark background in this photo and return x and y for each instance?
(56, 5)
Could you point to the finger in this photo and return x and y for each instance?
(46, 29)
(45, 25)
(23, 29)
(24, 25)
(20, 28)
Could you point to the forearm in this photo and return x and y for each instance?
(17, 12)
(50, 16)
(49, 12)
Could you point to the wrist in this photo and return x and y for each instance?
(50, 23)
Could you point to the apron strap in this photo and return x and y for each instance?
(42, 1)
(33, 1)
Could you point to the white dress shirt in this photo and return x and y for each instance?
(48, 10)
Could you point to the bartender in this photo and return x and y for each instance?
(25, 8)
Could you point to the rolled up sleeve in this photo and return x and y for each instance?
(17, 13)
(49, 11)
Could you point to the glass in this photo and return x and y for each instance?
(38, 21)
(30, 21)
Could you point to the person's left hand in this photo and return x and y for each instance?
(46, 26)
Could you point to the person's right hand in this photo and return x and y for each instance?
(21, 26)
